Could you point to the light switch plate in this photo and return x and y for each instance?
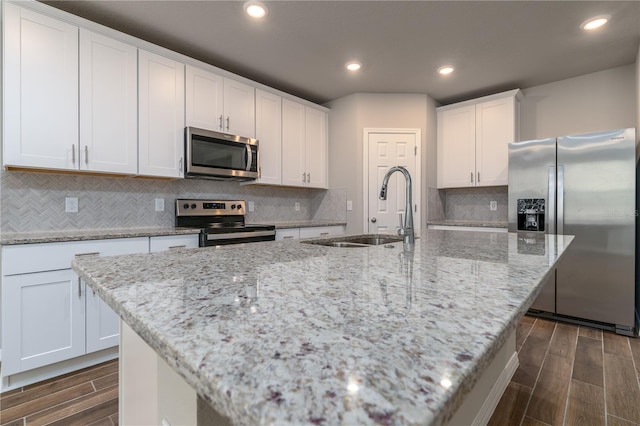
(349, 205)
(251, 206)
(297, 206)
(71, 204)
(493, 205)
(159, 204)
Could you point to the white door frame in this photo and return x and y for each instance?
(416, 180)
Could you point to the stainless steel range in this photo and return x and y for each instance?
(221, 222)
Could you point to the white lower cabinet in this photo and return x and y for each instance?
(43, 320)
(49, 316)
(309, 232)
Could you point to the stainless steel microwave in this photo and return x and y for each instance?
(216, 155)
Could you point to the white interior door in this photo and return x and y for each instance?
(386, 150)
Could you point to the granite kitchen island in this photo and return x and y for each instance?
(296, 333)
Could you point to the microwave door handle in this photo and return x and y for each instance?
(249, 158)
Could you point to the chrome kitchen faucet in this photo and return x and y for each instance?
(405, 230)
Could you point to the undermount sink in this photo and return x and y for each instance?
(366, 240)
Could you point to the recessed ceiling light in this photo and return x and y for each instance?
(595, 22)
(445, 70)
(255, 9)
(353, 66)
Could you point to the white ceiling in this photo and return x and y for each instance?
(301, 46)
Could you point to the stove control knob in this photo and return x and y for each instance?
(193, 206)
(233, 206)
(239, 206)
(185, 205)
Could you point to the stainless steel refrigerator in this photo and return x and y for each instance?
(582, 185)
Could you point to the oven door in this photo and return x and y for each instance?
(219, 155)
(220, 239)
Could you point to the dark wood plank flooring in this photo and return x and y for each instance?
(571, 375)
(568, 375)
(85, 397)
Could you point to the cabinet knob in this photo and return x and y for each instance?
(374, 220)
(471, 177)
(220, 118)
(73, 153)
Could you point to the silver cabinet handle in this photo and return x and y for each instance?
(79, 289)
(478, 177)
(73, 153)
(220, 121)
(304, 177)
(180, 164)
(91, 253)
(374, 220)
(308, 177)
(324, 233)
(177, 247)
(288, 237)
(86, 154)
(471, 177)
(227, 123)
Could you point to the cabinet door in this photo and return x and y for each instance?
(269, 135)
(293, 144)
(103, 324)
(47, 320)
(204, 95)
(495, 129)
(108, 105)
(316, 147)
(161, 116)
(239, 109)
(456, 147)
(40, 91)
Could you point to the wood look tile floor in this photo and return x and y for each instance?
(568, 375)
(85, 397)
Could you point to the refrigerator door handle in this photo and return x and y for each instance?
(560, 213)
(551, 207)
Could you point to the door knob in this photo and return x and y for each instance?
(373, 220)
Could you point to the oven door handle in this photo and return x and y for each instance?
(237, 235)
(249, 158)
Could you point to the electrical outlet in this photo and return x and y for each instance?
(159, 204)
(71, 204)
(493, 205)
(349, 205)
(251, 206)
(297, 206)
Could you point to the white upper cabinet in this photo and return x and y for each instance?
(473, 138)
(294, 172)
(161, 116)
(316, 147)
(219, 104)
(304, 146)
(269, 135)
(108, 105)
(40, 91)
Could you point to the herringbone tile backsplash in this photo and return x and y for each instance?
(32, 201)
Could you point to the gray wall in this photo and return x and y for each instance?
(348, 118)
(593, 102)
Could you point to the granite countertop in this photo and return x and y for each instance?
(291, 333)
(12, 238)
(471, 223)
(305, 224)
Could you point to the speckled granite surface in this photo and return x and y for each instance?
(472, 223)
(12, 238)
(294, 333)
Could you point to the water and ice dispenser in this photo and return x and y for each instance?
(531, 214)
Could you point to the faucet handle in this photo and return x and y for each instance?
(401, 230)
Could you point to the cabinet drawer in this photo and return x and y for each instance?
(169, 242)
(321, 231)
(26, 258)
(287, 234)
